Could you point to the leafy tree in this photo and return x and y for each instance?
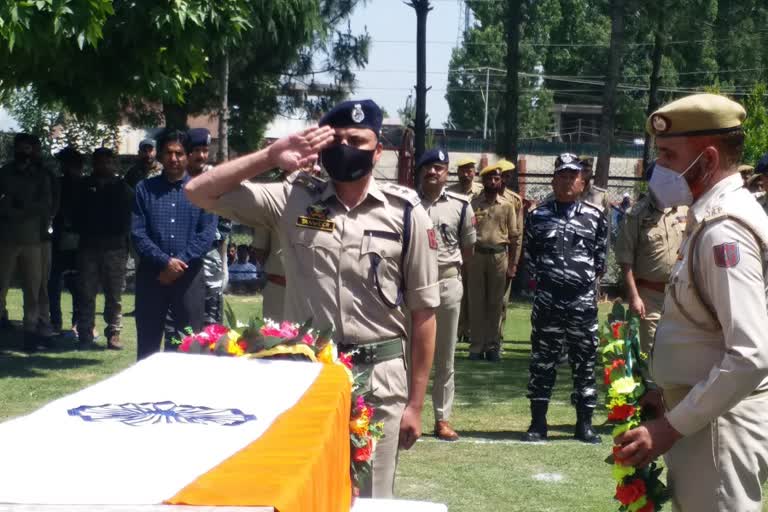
(756, 124)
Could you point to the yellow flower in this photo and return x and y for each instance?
(329, 354)
(233, 348)
(233, 335)
(359, 425)
(620, 472)
(623, 386)
(616, 402)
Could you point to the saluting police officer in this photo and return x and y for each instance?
(565, 246)
(466, 185)
(357, 253)
(710, 357)
(496, 253)
(454, 223)
(646, 250)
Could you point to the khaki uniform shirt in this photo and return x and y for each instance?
(497, 224)
(269, 242)
(334, 257)
(474, 191)
(517, 202)
(26, 204)
(454, 222)
(649, 239)
(726, 359)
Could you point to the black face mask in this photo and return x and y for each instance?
(346, 163)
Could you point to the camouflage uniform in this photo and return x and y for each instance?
(565, 247)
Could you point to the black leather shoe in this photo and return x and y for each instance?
(493, 356)
(475, 356)
(534, 437)
(537, 432)
(583, 431)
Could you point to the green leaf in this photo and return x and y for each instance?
(229, 315)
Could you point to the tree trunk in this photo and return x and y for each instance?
(509, 143)
(609, 94)
(223, 153)
(422, 9)
(175, 116)
(653, 93)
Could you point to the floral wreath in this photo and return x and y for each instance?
(637, 489)
(260, 339)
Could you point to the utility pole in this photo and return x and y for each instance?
(422, 9)
(485, 120)
(653, 93)
(514, 18)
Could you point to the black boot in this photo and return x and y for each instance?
(31, 341)
(538, 430)
(584, 432)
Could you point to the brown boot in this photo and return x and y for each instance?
(114, 343)
(444, 431)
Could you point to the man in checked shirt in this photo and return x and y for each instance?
(170, 236)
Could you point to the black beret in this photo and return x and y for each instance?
(354, 113)
(69, 154)
(106, 152)
(762, 165)
(198, 137)
(431, 156)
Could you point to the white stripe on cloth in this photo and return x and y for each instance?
(53, 457)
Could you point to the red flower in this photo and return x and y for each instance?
(186, 343)
(346, 360)
(630, 492)
(618, 363)
(648, 507)
(243, 344)
(607, 378)
(363, 454)
(215, 331)
(616, 328)
(621, 412)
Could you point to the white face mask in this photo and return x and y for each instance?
(669, 187)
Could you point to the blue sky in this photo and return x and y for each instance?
(391, 72)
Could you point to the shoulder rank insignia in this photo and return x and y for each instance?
(727, 254)
(316, 218)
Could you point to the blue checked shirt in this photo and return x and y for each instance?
(166, 225)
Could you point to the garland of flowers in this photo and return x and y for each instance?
(261, 339)
(637, 489)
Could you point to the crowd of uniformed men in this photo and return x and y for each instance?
(402, 275)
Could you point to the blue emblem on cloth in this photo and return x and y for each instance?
(150, 413)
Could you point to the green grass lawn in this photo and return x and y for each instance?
(489, 469)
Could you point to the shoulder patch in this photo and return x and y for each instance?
(457, 195)
(406, 194)
(727, 254)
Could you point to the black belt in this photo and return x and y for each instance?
(372, 353)
(491, 249)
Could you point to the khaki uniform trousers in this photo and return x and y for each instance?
(487, 278)
(28, 259)
(389, 383)
(447, 318)
(722, 467)
(106, 268)
(273, 296)
(654, 301)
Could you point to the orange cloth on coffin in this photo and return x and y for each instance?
(300, 464)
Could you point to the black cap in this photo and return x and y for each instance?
(198, 137)
(762, 165)
(431, 156)
(26, 138)
(354, 113)
(106, 152)
(568, 162)
(69, 154)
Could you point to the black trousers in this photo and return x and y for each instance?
(185, 298)
(63, 274)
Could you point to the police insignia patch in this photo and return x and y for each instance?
(660, 123)
(432, 239)
(358, 115)
(727, 254)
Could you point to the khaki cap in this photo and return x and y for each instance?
(466, 161)
(505, 165)
(490, 168)
(696, 115)
(746, 169)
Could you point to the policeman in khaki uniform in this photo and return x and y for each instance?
(646, 250)
(454, 223)
(710, 356)
(465, 171)
(358, 255)
(273, 293)
(496, 254)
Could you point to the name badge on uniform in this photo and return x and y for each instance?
(316, 218)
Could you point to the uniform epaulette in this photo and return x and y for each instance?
(457, 195)
(406, 194)
(306, 180)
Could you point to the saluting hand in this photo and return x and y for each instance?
(300, 149)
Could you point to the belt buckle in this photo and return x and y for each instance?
(369, 354)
